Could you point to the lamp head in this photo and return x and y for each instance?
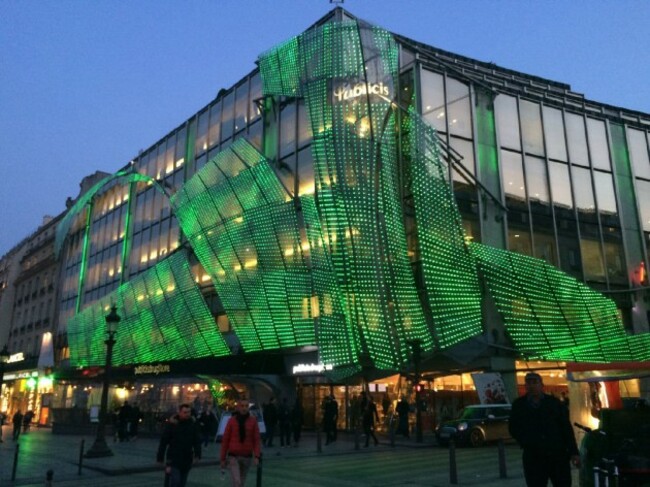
(112, 320)
(4, 355)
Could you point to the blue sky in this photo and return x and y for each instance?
(84, 85)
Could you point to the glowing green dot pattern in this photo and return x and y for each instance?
(243, 227)
(550, 315)
(347, 76)
(451, 280)
(164, 317)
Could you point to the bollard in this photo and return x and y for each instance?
(259, 472)
(453, 473)
(13, 470)
(596, 477)
(357, 438)
(81, 456)
(502, 460)
(319, 446)
(49, 478)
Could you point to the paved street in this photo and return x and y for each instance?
(338, 465)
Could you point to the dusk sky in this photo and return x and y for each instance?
(85, 85)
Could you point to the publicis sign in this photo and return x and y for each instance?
(152, 369)
(350, 91)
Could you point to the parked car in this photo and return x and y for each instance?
(476, 425)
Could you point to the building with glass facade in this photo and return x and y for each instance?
(356, 203)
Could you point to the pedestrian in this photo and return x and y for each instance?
(284, 418)
(27, 420)
(180, 446)
(17, 421)
(296, 421)
(134, 422)
(3, 418)
(270, 415)
(540, 424)
(385, 404)
(123, 420)
(403, 409)
(240, 445)
(369, 417)
(330, 416)
(208, 424)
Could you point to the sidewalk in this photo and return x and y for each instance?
(339, 464)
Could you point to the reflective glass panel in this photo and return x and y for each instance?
(592, 255)
(519, 241)
(433, 99)
(305, 172)
(304, 125)
(512, 176)
(605, 193)
(584, 194)
(465, 149)
(214, 133)
(202, 133)
(458, 106)
(241, 106)
(639, 153)
(643, 193)
(288, 129)
(575, 128)
(598, 147)
(256, 94)
(554, 130)
(560, 184)
(507, 121)
(531, 127)
(537, 181)
(227, 116)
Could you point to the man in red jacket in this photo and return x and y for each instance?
(240, 444)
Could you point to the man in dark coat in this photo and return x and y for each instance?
(403, 409)
(179, 446)
(284, 417)
(540, 424)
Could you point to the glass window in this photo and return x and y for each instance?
(227, 116)
(466, 150)
(255, 135)
(575, 128)
(304, 126)
(605, 193)
(644, 203)
(614, 255)
(537, 181)
(241, 106)
(433, 99)
(287, 171)
(202, 133)
(512, 176)
(256, 93)
(554, 130)
(584, 193)
(214, 132)
(531, 127)
(519, 241)
(505, 108)
(560, 184)
(287, 129)
(639, 153)
(592, 255)
(458, 106)
(305, 172)
(598, 147)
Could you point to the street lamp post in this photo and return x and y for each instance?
(100, 447)
(4, 358)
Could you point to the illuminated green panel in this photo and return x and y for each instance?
(451, 280)
(548, 313)
(244, 230)
(347, 75)
(164, 317)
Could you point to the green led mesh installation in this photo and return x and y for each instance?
(452, 286)
(347, 73)
(122, 177)
(550, 315)
(164, 317)
(244, 230)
